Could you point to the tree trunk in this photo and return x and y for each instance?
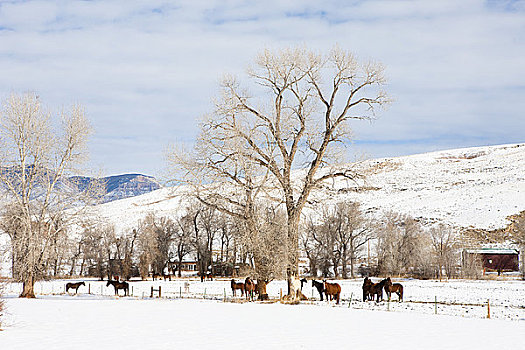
(73, 265)
(352, 261)
(28, 288)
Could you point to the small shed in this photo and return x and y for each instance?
(496, 259)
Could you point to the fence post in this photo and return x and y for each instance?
(436, 304)
(350, 303)
(151, 296)
(281, 294)
(204, 293)
(89, 288)
(488, 308)
(160, 292)
(224, 294)
(180, 292)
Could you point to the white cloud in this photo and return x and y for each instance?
(147, 70)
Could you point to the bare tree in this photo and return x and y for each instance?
(34, 159)
(402, 248)
(155, 239)
(323, 238)
(353, 231)
(443, 239)
(182, 240)
(299, 120)
(96, 242)
(337, 239)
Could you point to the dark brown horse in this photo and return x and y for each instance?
(366, 289)
(332, 290)
(249, 288)
(393, 288)
(376, 289)
(119, 285)
(319, 286)
(74, 286)
(236, 286)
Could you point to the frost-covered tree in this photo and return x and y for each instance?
(402, 247)
(37, 151)
(155, 237)
(296, 116)
(444, 249)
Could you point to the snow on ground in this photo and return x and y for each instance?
(91, 322)
(462, 298)
(478, 187)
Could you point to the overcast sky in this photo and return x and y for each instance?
(146, 70)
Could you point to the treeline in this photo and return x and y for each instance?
(339, 242)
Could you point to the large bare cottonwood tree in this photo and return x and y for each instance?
(37, 151)
(297, 116)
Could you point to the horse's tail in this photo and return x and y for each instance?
(400, 292)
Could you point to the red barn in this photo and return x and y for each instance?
(496, 259)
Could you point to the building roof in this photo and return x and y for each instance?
(492, 251)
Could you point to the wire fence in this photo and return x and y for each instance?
(220, 290)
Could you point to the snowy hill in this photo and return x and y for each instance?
(473, 187)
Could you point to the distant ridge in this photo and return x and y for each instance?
(477, 187)
(120, 186)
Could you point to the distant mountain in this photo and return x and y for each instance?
(119, 186)
(112, 187)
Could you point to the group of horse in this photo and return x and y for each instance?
(372, 290)
(116, 284)
(248, 288)
(332, 291)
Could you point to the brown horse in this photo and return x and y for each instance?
(376, 289)
(119, 285)
(249, 288)
(333, 290)
(74, 286)
(396, 288)
(236, 286)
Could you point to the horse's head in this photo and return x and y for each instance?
(109, 283)
(82, 283)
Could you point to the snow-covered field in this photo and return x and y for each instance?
(464, 298)
(207, 316)
(56, 321)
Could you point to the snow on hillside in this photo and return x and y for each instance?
(472, 187)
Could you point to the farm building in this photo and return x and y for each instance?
(494, 259)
